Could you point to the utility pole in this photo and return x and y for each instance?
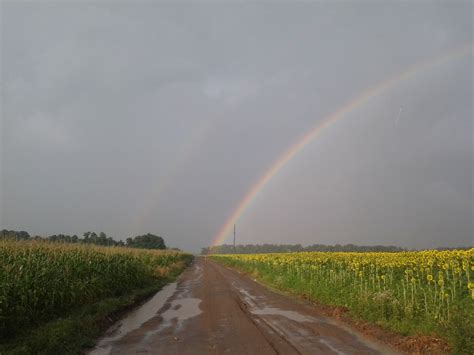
(234, 238)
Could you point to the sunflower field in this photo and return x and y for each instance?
(411, 292)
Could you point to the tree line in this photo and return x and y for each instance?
(291, 248)
(146, 241)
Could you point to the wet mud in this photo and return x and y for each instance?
(215, 310)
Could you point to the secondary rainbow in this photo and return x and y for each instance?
(327, 121)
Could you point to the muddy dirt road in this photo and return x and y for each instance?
(214, 310)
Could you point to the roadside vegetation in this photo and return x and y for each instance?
(50, 291)
(425, 292)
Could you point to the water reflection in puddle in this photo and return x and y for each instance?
(258, 307)
(292, 315)
(330, 346)
(134, 319)
(273, 311)
(180, 309)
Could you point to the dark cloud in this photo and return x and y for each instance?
(147, 117)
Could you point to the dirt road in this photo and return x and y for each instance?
(214, 310)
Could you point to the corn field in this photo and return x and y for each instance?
(40, 281)
(406, 286)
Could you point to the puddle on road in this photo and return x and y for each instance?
(264, 310)
(292, 315)
(248, 297)
(329, 345)
(180, 309)
(188, 284)
(134, 319)
(273, 311)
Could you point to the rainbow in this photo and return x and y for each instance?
(326, 122)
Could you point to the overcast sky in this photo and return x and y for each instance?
(149, 117)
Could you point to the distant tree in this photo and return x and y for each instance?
(147, 241)
(14, 235)
(102, 239)
(86, 237)
(93, 238)
(22, 235)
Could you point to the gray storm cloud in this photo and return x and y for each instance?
(148, 117)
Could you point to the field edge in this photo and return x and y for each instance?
(412, 344)
(79, 331)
